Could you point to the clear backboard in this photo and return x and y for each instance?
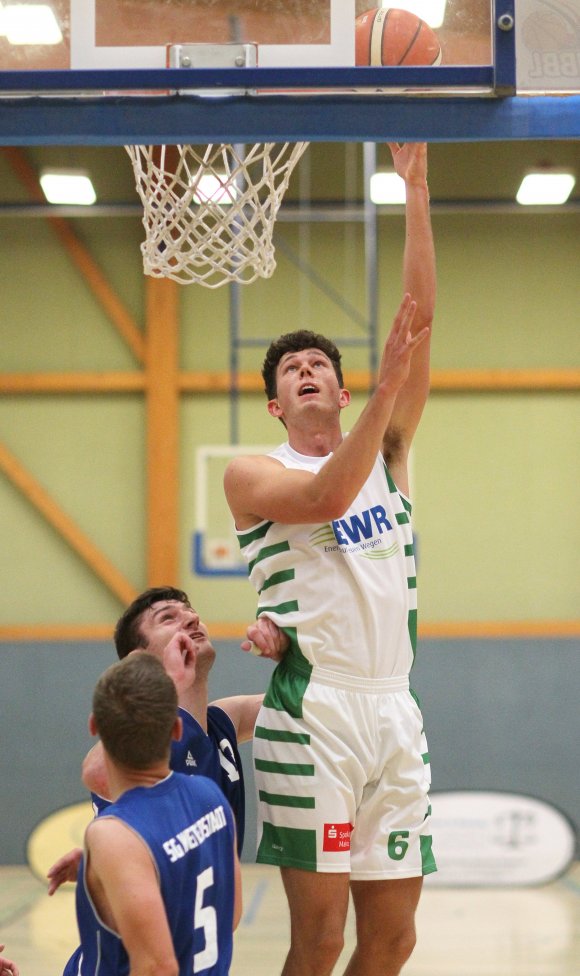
(133, 35)
(117, 34)
(137, 49)
(124, 34)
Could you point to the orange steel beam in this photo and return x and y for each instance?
(447, 630)
(508, 380)
(162, 431)
(64, 525)
(56, 632)
(72, 382)
(442, 381)
(81, 257)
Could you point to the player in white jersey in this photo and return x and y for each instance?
(341, 762)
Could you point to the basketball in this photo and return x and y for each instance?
(388, 36)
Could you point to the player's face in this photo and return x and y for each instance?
(306, 379)
(162, 620)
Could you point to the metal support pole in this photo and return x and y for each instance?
(235, 341)
(235, 305)
(371, 255)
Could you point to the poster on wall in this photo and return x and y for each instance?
(498, 839)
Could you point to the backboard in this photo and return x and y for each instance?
(129, 35)
(112, 50)
(119, 34)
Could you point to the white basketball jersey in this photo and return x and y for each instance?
(345, 591)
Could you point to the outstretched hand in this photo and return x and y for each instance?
(266, 639)
(410, 160)
(65, 869)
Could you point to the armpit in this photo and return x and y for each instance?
(393, 445)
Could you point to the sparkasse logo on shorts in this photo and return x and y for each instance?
(337, 836)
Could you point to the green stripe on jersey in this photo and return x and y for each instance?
(269, 551)
(288, 846)
(289, 769)
(283, 800)
(282, 577)
(290, 679)
(402, 518)
(412, 625)
(288, 607)
(392, 486)
(412, 582)
(279, 735)
(410, 549)
(244, 538)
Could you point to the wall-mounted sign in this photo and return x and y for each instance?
(495, 839)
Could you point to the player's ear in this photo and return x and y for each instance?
(177, 729)
(344, 398)
(274, 409)
(93, 725)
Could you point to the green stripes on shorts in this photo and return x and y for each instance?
(295, 846)
(427, 857)
(289, 846)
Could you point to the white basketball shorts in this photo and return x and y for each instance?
(343, 777)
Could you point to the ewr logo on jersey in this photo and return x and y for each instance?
(360, 527)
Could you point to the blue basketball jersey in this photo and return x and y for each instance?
(214, 755)
(189, 831)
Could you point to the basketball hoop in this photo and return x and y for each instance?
(209, 213)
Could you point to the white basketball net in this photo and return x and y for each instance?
(209, 214)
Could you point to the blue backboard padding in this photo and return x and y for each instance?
(335, 118)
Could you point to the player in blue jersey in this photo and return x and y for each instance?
(159, 886)
(162, 622)
(324, 521)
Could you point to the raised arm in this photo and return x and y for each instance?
(243, 712)
(419, 279)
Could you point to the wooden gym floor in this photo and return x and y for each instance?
(462, 932)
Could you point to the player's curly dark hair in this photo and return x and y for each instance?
(295, 342)
(127, 635)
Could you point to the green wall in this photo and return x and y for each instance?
(496, 475)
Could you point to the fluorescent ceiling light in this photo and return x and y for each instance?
(545, 188)
(431, 11)
(387, 188)
(67, 186)
(212, 189)
(29, 24)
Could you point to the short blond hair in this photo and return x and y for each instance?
(135, 706)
